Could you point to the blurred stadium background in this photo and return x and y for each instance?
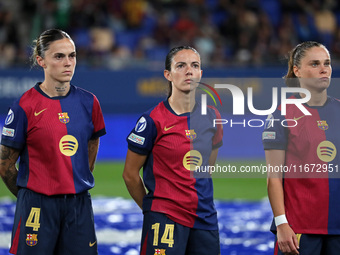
(121, 47)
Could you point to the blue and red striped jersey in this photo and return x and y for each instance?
(311, 176)
(176, 145)
(53, 135)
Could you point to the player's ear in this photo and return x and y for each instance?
(41, 61)
(296, 71)
(167, 75)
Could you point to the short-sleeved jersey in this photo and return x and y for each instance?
(175, 145)
(52, 135)
(311, 178)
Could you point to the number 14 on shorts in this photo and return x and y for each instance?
(167, 237)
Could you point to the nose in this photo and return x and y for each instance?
(189, 70)
(67, 61)
(325, 68)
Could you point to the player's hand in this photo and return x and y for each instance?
(287, 240)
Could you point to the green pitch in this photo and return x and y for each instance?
(227, 186)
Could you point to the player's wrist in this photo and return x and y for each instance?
(281, 219)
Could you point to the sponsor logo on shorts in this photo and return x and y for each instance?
(141, 125)
(31, 239)
(8, 132)
(268, 135)
(136, 138)
(10, 117)
(92, 244)
(159, 252)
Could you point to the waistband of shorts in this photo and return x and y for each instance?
(66, 196)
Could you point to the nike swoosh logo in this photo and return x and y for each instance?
(37, 113)
(91, 244)
(166, 129)
(299, 117)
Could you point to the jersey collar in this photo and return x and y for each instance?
(186, 114)
(37, 87)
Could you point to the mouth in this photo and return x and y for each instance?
(324, 79)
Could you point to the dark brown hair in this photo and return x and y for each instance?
(42, 44)
(170, 57)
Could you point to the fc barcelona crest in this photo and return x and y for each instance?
(63, 117)
(159, 252)
(190, 134)
(322, 124)
(31, 239)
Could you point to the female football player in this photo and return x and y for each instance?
(169, 142)
(54, 128)
(305, 196)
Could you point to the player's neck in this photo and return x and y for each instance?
(55, 89)
(182, 103)
(318, 99)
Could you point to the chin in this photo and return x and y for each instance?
(64, 81)
(324, 85)
(67, 79)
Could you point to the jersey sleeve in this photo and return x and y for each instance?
(274, 136)
(97, 119)
(217, 139)
(15, 128)
(141, 139)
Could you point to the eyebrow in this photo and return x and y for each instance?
(318, 60)
(194, 62)
(63, 54)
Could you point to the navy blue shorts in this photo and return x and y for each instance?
(50, 225)
(315, 244)
(163, 236)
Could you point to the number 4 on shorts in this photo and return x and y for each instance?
(33, 219)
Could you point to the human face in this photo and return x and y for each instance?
(59, 61)
(315, 70)
(185, 71)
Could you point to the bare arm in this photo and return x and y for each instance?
(213, 157)
(286, 237)
(93, 146)
(8, 170)
(133, 181)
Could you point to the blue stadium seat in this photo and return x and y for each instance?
(211, 4)
(82, 38)
(148, 25)
(326, 39)
(157, 53)
(337, 15)
(128, 39)
(273, 10)
(219, 16)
